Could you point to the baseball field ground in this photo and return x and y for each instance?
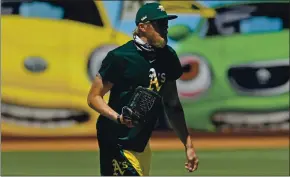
(218, 156)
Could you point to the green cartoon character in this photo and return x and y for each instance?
(236, 68)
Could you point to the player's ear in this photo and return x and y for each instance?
(142, 27)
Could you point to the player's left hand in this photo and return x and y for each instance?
(192, 160)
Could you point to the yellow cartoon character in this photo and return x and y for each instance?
(51, 51)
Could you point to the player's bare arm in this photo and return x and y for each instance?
(176, 118)
(175, 113)
(95, 98)
(96, 101)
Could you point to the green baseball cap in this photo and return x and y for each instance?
(152, 11)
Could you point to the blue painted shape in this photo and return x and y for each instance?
(41, 10)
(261, 25)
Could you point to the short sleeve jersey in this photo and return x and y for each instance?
(127, 68)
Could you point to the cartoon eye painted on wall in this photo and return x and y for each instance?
(96, 59)
(196, 78)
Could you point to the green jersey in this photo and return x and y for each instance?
(127, 67)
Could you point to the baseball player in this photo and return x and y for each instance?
(145, 61)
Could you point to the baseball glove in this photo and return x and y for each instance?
(141, 106)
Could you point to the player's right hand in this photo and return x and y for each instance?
(126, 122)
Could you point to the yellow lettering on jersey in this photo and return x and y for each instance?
(154, 84)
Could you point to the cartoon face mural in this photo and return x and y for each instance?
(51, 52)
(235, 58)
(236, 68)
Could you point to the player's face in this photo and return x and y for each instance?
(156, 33)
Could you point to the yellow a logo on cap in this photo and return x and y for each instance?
(161, 8)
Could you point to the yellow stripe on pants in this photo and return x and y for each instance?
(140, 161)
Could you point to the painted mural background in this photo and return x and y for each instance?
(235, 57)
